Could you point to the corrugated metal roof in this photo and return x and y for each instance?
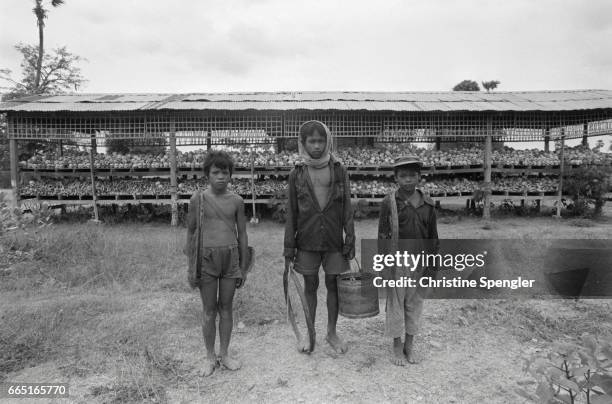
(76, 106)
(321, 100)
(291, 105)
(98, 98)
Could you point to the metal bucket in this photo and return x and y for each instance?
(357, 295)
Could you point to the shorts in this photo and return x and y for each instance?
(308, 262)
(220, 262)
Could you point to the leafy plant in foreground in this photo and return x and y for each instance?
(573, 373)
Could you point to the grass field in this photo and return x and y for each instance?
(108, 310)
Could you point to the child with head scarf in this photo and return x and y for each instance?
(319, 214)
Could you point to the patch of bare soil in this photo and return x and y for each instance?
(469, 354)
(145, 345)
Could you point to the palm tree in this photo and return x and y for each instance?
(490, 85)
(41, 13)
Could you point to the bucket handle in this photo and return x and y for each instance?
(358, 266)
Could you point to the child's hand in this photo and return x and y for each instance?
(348, 252)
(193, 281)
(240, 281)
(288, 261)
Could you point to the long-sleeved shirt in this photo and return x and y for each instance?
(414, 223)
(313, 227)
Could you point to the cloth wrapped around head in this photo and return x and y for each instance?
(307, 129)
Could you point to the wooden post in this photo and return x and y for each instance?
(437, 144)
(254, 218)
(14, 170)
(278, 145)
(547, 140)
(61, 148)
(281, 144)
(561, 172)
(92, 160)
(585, 134)
(283, 131)
(486, 211)
(540, 203)
(173, 188)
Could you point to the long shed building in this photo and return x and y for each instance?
(272, 117)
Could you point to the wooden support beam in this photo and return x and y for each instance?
(14, 156)
(585, 134)
(281, 141)
(486, 211)
(254, 218)
(92, 161)
(561, 172)
(173, 182)
(547, 140)
(540, 205)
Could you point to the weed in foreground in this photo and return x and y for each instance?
(31, 334)
(129, 393)
(572, 372)
(142, 375)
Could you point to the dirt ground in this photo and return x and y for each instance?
(142, 342)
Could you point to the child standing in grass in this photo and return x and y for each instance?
(406, 214)
(217, 249)
(318, 212)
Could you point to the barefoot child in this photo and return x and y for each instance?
(406, 214)
(319, 210)
(217, 249)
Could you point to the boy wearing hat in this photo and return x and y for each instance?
(408, 215)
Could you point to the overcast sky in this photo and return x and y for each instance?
(268, 45)
(351, 45)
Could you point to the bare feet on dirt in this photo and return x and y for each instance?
(230, 363)
(303, 345)
(410, 356)
(397, 356)
(208, 367)
(336, 343)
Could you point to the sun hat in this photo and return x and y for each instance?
(407, 160)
